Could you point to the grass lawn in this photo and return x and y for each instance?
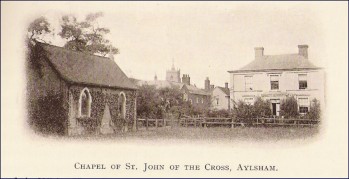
(215, 134)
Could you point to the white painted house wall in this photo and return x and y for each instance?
(288, 84)
(223, 99)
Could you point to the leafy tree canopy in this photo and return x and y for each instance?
(38, 29)
(86, 36)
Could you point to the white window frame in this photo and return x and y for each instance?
(248, 83)
(278, 80)
(299, 80)
(185, 96)
(303, 105)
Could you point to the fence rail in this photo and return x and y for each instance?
(218, 121)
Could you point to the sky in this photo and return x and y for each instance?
(203, 39)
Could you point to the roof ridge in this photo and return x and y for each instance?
(78, 52)
(284, 54)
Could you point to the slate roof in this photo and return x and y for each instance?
(225, 90)
(196, 90)
(81, 68)
(278, 62)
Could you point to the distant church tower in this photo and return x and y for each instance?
(173, 74)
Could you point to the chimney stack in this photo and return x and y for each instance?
(259, 52)
(226, 85)
(211, 86)
(186, 79)
(303, 50)
(207, 84)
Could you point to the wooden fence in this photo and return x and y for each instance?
(229, 122)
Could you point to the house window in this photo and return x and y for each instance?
(303, 104)
(191, 101)
(202, 99)
(274, 82)
(248, 101)
(122, 105)
(185, 97)
(197, 99)
(248, 83)
(302, 80)
(217, 100)
(85, 101)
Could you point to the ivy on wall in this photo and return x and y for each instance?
(47, 115)
(99, 101)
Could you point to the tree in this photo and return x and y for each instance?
(148, 102)
(86, 36)
(38, 29)
(315, 110)
(289, 108)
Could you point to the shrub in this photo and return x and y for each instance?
(289, 108)
(244, 112)
(261, 108)
(218, 113)
(315, 111)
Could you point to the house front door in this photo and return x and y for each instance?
(275, 107)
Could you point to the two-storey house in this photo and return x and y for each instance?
(274, 77)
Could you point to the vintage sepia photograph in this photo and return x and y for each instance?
(78, 88)
(174, 89)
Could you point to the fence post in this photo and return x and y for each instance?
(156, 123)
(146, 123)
(205, 125)
(232, 123)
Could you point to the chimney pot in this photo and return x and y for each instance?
(303, 50)
(226, 85)
(259, 52)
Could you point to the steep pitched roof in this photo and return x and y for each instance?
(196, 90)
(278, 62)
(82, 68)
(225, 90)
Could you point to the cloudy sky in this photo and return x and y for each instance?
(204, 39)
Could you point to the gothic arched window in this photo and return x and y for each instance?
(85, 101)
(122, 105)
